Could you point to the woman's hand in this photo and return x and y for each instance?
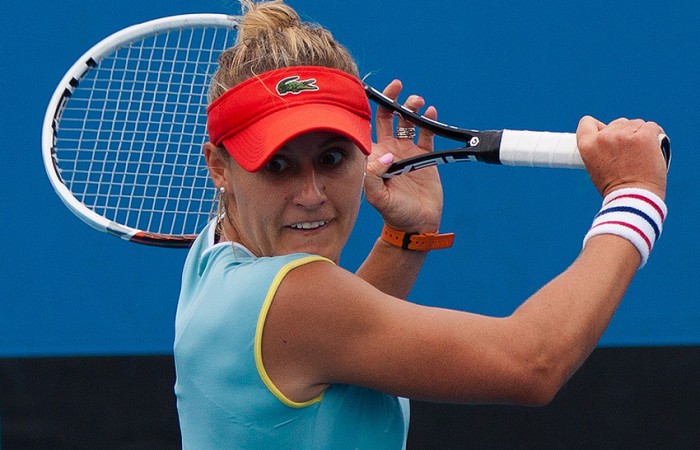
(624, 153)
(410, 202)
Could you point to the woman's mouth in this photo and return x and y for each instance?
(308, 225)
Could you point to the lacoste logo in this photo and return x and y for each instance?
(292, 85)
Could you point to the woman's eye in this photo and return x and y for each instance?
(276, 165)
(332, 158)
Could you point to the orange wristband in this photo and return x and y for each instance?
(417, 241)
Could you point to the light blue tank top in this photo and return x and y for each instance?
(225, 399)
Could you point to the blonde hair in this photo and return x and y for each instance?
(271, 35)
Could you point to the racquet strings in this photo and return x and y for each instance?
(129, 142)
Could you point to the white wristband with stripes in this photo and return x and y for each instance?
(634, 214)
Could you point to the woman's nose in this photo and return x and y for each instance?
(312, 193)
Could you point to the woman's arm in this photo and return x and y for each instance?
(342, 330)
(410, 203)
(391, 269)
(329, 326)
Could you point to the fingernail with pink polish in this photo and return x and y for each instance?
(386, 159)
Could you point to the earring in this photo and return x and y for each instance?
(221, 209)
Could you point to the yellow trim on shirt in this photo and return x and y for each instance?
(261, 323)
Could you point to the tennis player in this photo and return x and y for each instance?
(277, 346)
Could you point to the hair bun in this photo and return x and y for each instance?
(265, 17)
(271, 35)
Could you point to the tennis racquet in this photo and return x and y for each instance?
(506, 147)
(123, 132)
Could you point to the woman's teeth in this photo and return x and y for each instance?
(309, 225)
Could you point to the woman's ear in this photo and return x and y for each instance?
(217, 163)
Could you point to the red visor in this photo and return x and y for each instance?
(256, 117)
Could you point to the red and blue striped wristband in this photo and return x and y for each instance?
(632, 213)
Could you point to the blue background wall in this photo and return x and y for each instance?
(68, 290)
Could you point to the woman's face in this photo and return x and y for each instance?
(305, 199)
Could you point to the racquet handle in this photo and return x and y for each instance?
(546, 149)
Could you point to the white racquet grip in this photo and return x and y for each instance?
(540, 149)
